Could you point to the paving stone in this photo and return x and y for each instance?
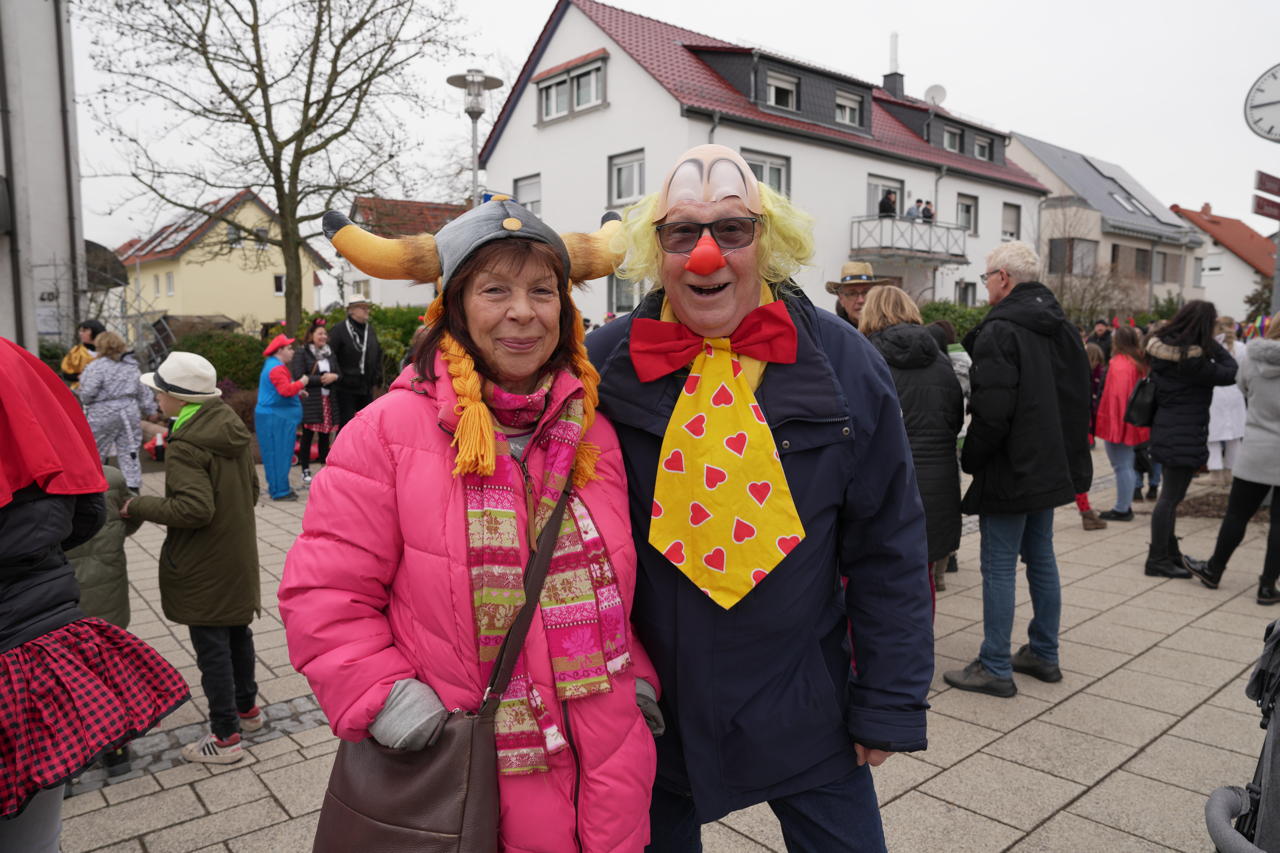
(1063, 752)
(313, 736)
(1228, 646)
(1160, 599)
(899, 774)
(128, 820)
(1066, 831)
(1072, 682)
(1107, 718)
(718, 838)
(282, 689)
(1186, 666)
(130, 846)
(1089, 660)
(277, 761)
(1151, 691)
(944, 624)
(1244, 625)
(181, 774)
(1192, 765)
(1010, 793)
(214, 828)
(961, 607)
(319, 749)
(950, 740)
(759, 824)
(119, 792)
(230, 789)
(297, 834)
(1108, 635)
(1093, 599)
(989, 711)
(1232, 697)
(1132, 616)
(1223, 728)
(1117, 582)
(300, 787)
(942, 665)
(917, 822)
(82, 803)
(1155, 811)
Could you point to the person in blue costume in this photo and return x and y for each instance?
(277, 416)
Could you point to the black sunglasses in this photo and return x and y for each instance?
(732, 233)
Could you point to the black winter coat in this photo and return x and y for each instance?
(933, 412)
(1184, 390)
(347, 358)
(760, 700)
(38, 589)
(1028, 441)
(304, 364)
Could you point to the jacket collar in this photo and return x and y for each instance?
(806, 390)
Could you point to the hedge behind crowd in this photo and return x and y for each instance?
(964, 319)
(236, 357)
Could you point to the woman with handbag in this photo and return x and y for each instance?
(1128, 366)
(1186, 364)
(315, 361)
(407, 601)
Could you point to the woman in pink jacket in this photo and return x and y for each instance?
(1128, 365)
(400, 589)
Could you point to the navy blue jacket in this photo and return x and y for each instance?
(760, 700)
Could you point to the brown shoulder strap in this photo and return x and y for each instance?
(535, 574)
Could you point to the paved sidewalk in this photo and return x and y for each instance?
(1119, 756)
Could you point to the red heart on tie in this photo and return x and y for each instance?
(755, 410)
(787, 543)
(723, 396)
(760, 491)
(697, 426)
(691, 384)
(713, 476)
(737, 442)
(674, 463)
(737, 368)
(715, 559)
(742, 531)
(698, 513)
(675, 552)
(758, 575)
(657, 510)
(709, 350)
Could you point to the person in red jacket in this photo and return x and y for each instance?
(1128, 365)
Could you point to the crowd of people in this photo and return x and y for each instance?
(750, 504)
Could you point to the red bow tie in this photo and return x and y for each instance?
(658, 348)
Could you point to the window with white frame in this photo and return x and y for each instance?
(982, 148)
(783, 90)
(626, 178)
(260, 239)
(849, 109)
(588, 87)
(168, 284)
(528, 193)
(876, 188)
(234, 238)
(953, 139)
(1213, 263)
(967, 213)
(1011, 222)
(770, 169)
(966, 293)
(278, 284)
(155, 285)
(623, 294)
(554, 99)
(576, 89)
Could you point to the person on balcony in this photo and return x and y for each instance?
(926, 215)
(889, 205)
(856, 278)
(914, 213)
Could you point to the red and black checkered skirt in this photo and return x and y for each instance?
(70, 694)
(326, 423)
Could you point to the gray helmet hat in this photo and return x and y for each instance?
(493, 220)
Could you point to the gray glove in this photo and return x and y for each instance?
(412, 717)
(647, 701)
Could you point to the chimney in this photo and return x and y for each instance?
(1206, 209)
(893, 83)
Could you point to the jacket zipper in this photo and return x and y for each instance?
(577, 773)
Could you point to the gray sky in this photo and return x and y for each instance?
(1157, 87)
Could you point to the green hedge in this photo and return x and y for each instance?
(236, 357)
(964, 319)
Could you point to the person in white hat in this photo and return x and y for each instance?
(209, 560)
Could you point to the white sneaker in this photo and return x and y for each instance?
(210, 750)
(306, 476)
(252, 720)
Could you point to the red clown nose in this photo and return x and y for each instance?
(705, 257)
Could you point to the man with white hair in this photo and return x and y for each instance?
(1028, 451)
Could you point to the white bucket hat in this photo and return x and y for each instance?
(186, 376)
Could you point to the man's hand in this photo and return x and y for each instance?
(874, 757)
(303, 394)
(124, 508)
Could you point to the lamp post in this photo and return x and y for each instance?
(475, 82)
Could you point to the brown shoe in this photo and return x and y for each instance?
(1091, 521)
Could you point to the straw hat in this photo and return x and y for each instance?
(855, 272)
(185, 375)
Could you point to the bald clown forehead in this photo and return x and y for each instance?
(708, 173)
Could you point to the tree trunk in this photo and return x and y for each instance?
(291, 248)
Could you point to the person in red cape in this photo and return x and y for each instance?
(71, 687)
(783, 590)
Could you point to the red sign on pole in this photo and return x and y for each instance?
(1266, 207)
(1267, 183)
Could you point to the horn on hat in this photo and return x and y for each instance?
(418, 259)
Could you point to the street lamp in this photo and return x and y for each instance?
(475, 82)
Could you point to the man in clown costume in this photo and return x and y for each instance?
(782, 593)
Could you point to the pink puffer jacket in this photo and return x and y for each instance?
(377, 589)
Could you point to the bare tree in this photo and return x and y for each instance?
(1086, 288)
(301, 101)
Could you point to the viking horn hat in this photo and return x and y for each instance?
(428, 258)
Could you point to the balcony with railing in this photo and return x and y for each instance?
(873, 237)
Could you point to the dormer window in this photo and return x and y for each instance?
(782, 91)
(1123, 202)
(982, 148)
(848, 109)
(586, 87)
(953, 139)
(573, 87)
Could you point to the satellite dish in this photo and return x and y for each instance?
(935, 95)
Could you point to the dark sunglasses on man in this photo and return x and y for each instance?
(679, 238)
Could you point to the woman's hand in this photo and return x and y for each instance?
(303, 394)
(124, 508)
(328, 378)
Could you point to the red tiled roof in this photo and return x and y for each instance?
(666, 52)
(565, 66)
(1238, 238)
(389, 217)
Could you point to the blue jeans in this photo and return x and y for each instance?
(1004, 538)
(1121, 458)
(842, 817)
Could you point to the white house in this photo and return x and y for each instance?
(608, 99)
(1238, 259)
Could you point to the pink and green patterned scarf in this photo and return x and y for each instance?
(583, 617)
